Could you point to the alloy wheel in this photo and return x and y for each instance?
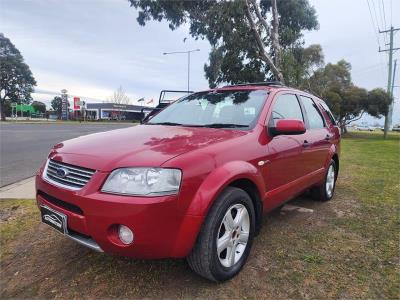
(233, 235)
(330, 181)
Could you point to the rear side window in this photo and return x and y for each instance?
(315, 119)
(328, 111)
(286, 107)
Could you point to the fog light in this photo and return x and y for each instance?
(125, 234)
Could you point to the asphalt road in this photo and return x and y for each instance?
(24, 147)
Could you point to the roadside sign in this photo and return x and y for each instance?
(64, 107)
(77, 103)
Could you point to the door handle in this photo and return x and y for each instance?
(306, 144)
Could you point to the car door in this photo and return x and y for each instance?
(317, 136)
(284, 161)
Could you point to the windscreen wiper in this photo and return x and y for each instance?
(225, 125)
(166, 123)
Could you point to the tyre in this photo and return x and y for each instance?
(226, 237)
(325, 191)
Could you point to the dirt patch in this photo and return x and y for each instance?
(10, 213)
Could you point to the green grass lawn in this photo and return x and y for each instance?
(348, 248)
(371, 166)
(16, 216)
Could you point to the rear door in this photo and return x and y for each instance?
(317, 138)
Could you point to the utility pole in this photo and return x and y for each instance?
(389, 85)
(390, 113)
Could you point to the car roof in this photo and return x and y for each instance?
(269, 86)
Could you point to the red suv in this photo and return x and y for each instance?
(195, 179)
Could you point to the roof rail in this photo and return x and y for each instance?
(265, 83)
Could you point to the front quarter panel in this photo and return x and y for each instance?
(217, 180)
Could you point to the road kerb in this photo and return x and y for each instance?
(24, 189)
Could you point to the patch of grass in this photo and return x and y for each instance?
(372, 168)
(374, 165)
(312, 258)
(16, 217)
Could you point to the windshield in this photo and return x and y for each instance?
(220, 109)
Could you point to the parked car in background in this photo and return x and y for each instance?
(396, 127)
(195, 180)
(365, 128)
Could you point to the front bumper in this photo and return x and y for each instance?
(92, 219)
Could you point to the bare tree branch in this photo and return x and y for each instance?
(260, 17)
(119, 97)
(348, 121)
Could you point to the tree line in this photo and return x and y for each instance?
(263, 40)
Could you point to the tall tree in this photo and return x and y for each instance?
(348, 102)
(299, 64)
(39, 106)
(16, 79)
(248, 37)
(56, 105)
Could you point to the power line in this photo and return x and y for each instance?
(376, 15)
(379, 21)
(384, 13)
(380, 14)
(391, 13)
(375, 28)
(373, 24)
(373, 66)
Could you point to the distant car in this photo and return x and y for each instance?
(195, 180)
(365, 128)
(396, 128)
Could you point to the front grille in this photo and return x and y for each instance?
(70, 176)
(57, 202)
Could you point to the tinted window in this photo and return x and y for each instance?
(328, 111)
(286, 107)
(220, 108)
(315, 119)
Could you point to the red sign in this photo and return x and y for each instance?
(77, 101)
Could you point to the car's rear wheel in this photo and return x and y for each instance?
(226, 237)
(325, 191)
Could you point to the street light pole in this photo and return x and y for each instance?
(188, 72)
(188, 53)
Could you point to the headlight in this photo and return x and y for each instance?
(143, 181)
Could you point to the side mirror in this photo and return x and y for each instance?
(288, 127)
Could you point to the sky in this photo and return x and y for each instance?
(91, 47)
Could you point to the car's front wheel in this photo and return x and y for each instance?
(225, 239)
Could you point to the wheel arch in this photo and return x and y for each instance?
(251, 189)
(335, 158)
(333, 154)
(238, 174)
